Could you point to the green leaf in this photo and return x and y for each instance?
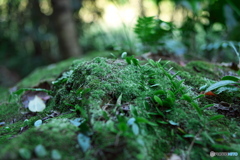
(228, 89)
(124, 55)
(220, 133)
(169, 102)
(187, 98)
(178, 85)
(174, 84)
(63, 79)
(152, 124)
(82, 111)
(175, 74)
(105, 115)
(152, 62)
(141, 120)
(55, 154)
(133, 110)
(25, 153)
(40, 151)
(83, 91)
(168, 75)
(204, 87)
(84, 142)
(159, 92)
(199, 96)
(162, 122)
(122, 127)
(128, 60)
(219, 84)
(158, 100)
(152, 81)
(216, 117)
(118, 103)
(208, 136)
(165, 64)
(171, 95)
(207, 106)
(135, 61)
(232, 78)
(20, 91)
(160, 112)
(152, 113)
(199, 111)
(189, 136)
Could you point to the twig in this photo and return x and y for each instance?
(192, 143)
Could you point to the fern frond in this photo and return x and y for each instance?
(228, 89)
(220, 84)
(149, 30)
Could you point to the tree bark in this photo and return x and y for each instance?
(142, 9)
(65, 29)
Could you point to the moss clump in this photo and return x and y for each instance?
(106, 80)
(113, 85)
(127, 112)
(56, 134)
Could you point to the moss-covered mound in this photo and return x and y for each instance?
(109, 109)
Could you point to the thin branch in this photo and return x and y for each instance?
(192, 143)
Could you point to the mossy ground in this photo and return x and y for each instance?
(127, 111)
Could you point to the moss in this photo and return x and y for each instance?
(49, 135)
(198, 73)
(120, 114)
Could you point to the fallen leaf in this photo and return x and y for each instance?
(2, 124)
(77, 121)
(38, 123)
(174, 157)
(30, 94)
(84, 142)
(36, 105)
(173, 123)
(210, 93)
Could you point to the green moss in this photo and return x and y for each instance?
(107, 94)
(57, 134)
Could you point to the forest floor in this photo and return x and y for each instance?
(120, 109)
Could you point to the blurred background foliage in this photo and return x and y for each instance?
(34, 33)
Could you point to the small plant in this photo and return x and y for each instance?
(165, 103)
(227, 84)
(151, 31)
(237, 53)
(130, 60)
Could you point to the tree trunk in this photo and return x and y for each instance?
(65, 29)
(142, 9)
